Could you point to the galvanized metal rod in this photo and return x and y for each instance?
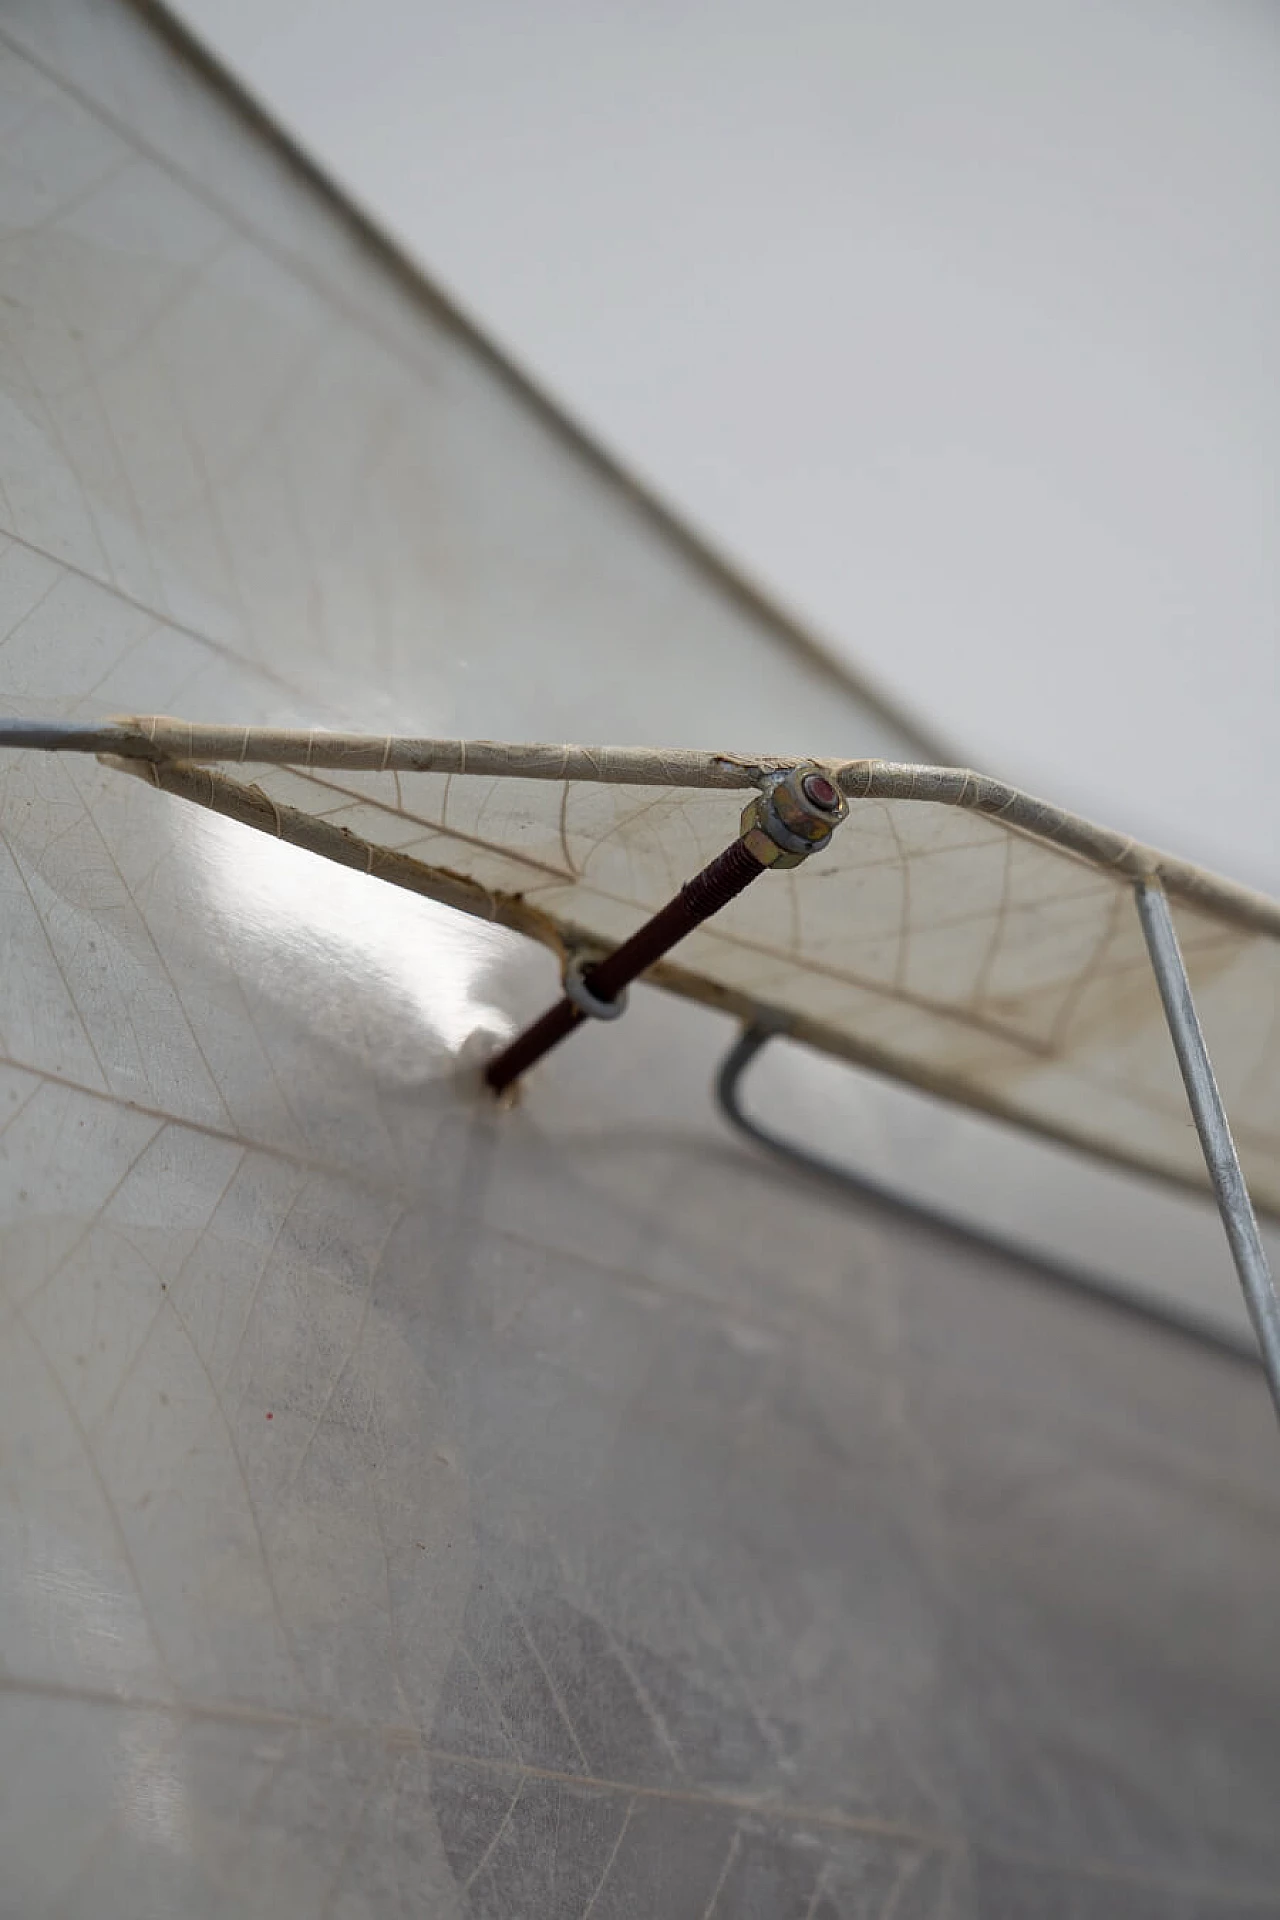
(1213, 1128)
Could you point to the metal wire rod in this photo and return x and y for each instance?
(728, 1090)
(59, 736)
(1210, 1116)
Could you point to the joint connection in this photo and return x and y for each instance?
(794, 816)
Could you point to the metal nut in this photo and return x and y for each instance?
(757, 841)
(794, 816)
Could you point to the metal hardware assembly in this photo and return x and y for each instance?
(793, 816)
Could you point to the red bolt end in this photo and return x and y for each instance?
(819, 791)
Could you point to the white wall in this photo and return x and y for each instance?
(956, 325)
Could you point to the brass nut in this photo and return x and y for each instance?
(758, 843)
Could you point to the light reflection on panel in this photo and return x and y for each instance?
(394, 979)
